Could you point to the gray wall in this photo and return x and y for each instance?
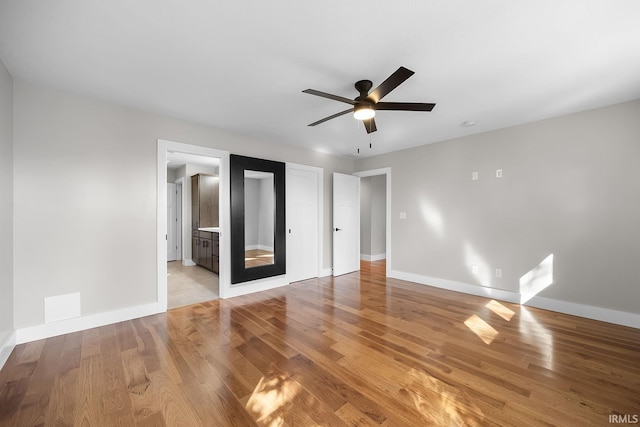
(365, 216)
(6, 206)
(85, 193)
(570, 188)
(378, 214)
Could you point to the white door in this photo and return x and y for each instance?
(302, 224)
(172, 223)
(346, 224)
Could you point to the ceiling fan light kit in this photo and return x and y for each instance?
(363, 112)
(366, 104)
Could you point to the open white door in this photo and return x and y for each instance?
(346, 223)
(172, 223)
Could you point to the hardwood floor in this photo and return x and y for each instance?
(357, 350)
(190, 285)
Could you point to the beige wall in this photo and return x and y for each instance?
(85, 197)
(6, 207)
(570, 188)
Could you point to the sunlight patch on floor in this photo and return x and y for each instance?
(538, 336)
(482, 329)
(440, 403)
(500, 310)
(270, 399)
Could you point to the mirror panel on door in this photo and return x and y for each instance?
(257, 219)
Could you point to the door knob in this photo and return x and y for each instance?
(338, 229)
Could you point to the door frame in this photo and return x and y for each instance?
(177, 225)
(180, 209)
(161, 215)
(387, 172)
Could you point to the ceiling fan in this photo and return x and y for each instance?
(365, 105)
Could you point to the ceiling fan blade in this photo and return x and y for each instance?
(330, 96)
(404, 106)
(341, 113)
(370, 125)
(392, 82)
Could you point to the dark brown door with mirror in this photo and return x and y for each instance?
(257, 219)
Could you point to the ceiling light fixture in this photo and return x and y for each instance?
(363, 112)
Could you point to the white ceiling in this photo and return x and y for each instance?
(242, 65)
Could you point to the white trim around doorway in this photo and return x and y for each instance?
(161, 222)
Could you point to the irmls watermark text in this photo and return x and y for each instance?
(623, 419)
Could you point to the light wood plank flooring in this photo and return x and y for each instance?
(190, 285)
(357, 350)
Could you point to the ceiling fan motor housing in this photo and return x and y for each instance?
(363, 86)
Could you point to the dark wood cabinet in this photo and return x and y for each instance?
(204, 201)
(205, 247)
(204, 256)
(204, 214)
(215, 253)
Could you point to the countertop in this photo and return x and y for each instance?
(210, 229)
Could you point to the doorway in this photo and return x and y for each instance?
(187, 283)
(373, 212)
(177, 162)
(174, 219)
(376, 216)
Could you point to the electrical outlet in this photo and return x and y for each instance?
(474, 176)
(474, 269)
(498, 173)
(403, 215)
(499, 273)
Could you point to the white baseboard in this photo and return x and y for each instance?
(452, 285)
(589, 311)
(377, 257)
(581, 310)
(82, 323)
(256, 286)
(6, 347)
(326, 272)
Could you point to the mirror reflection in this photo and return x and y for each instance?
(259, 218)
